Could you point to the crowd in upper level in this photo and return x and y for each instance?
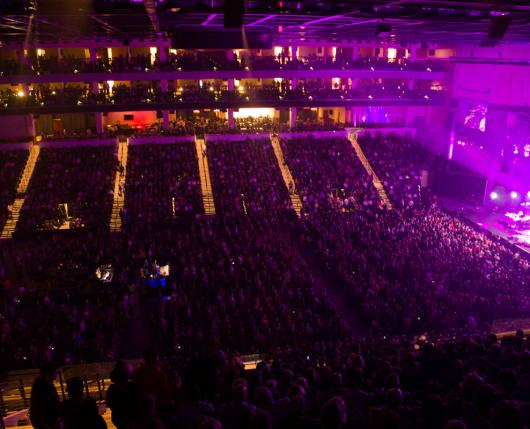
(207, 61)
(73, 95)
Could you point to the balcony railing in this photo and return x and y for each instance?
(147, 98)
(201, 62)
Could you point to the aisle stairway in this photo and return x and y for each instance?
(286, 174)
(119, 183)
(11, 223)
(204, 173)
(366, 164)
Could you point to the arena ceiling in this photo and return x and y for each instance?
(404, 21)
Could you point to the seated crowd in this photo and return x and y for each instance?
(81, 177)
(245, 177)
(328, 173)
(410, 270)
(398, 163)
(162, 183)
(241, 282)
(477, 382)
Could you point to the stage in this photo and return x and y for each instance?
(511, 224)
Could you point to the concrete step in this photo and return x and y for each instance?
(296, 202)
(208, 200)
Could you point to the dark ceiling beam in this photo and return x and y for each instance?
(150, 7)
(106, 25)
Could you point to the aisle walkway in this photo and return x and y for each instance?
(366, 164)
(11, 223)
(286, 175)
(204, 173)
(119, 187)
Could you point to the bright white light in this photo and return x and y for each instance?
(153, 50)
(334, 52)
(494, 196)
(21, 93)
(109, 53)
(528, 195)
(392, 53)
(173, 51)
(255, 112)
(482, 125)
(514, 195)
(110, 83)
(40, 52)
(277, 50)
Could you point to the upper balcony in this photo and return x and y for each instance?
(44, 99)
(44, 69)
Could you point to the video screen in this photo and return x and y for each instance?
(475, 116)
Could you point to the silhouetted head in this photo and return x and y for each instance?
(333, 413)
(48, 371)
(120, 374)
(74, 387)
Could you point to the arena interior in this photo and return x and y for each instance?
(265, 214)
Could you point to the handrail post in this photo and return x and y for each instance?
(22, 392)
(100, 393)
(61, 383)
(85, 379)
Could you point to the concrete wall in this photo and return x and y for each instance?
(17, 127)
(500, 84)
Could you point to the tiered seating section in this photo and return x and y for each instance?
(241, 280)
(81, 177)
(246, 178)
(162, 184)
(327, 172)
(398, 163)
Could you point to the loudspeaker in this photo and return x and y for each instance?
(234, 10)
(498, 27)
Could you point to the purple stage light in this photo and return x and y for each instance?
(494, 196)
(514, 195)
